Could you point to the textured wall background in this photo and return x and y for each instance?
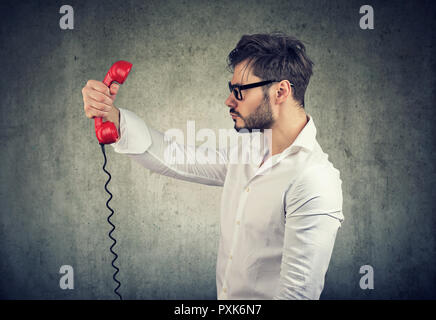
(372, 98)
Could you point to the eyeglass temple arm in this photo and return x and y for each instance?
(259, 84)
(254, 85)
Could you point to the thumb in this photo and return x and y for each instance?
(114, 90)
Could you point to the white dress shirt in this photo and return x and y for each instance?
(278, 221)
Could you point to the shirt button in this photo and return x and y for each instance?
(225, 290)
(238, 222)
(231, 257)
(248, 189)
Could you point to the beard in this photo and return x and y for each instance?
(261, 118)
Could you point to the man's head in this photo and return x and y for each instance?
(261, 57)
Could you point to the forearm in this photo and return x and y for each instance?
(153, 150)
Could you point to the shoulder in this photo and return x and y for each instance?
(319, 178)
(317, 190)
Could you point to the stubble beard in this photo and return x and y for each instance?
(260, 119)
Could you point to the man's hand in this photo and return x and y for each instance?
(98, 102)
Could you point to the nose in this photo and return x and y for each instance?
(231, 101)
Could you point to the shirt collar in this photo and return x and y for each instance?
(305, 139)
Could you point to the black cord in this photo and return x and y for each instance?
(113, 227)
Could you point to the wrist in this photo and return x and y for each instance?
(114, 117)
(118, 117)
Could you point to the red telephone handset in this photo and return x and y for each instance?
(107, 132)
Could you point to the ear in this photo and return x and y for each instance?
(283, 91)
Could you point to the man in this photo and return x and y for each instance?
(277, 227)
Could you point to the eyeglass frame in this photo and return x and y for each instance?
(241, 87)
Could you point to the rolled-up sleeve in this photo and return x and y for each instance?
(313, 217)
(150, 148)
(135, 135)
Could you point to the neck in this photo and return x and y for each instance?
(286, 129)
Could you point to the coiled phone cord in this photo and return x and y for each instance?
(113, 226)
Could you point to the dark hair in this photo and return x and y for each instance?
(275, 56)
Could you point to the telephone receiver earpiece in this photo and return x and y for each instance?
(107, 132)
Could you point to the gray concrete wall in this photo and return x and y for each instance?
(372, 98)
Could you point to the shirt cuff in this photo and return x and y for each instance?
(135, 135)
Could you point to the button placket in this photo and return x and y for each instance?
(239, 213)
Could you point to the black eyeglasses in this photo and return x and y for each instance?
(237, 88)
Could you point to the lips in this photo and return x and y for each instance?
(234, 115)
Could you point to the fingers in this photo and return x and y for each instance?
(94, 108)
(92, 112)
(98, 86)
(98, 97)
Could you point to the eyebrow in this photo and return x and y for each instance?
(236, 84)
